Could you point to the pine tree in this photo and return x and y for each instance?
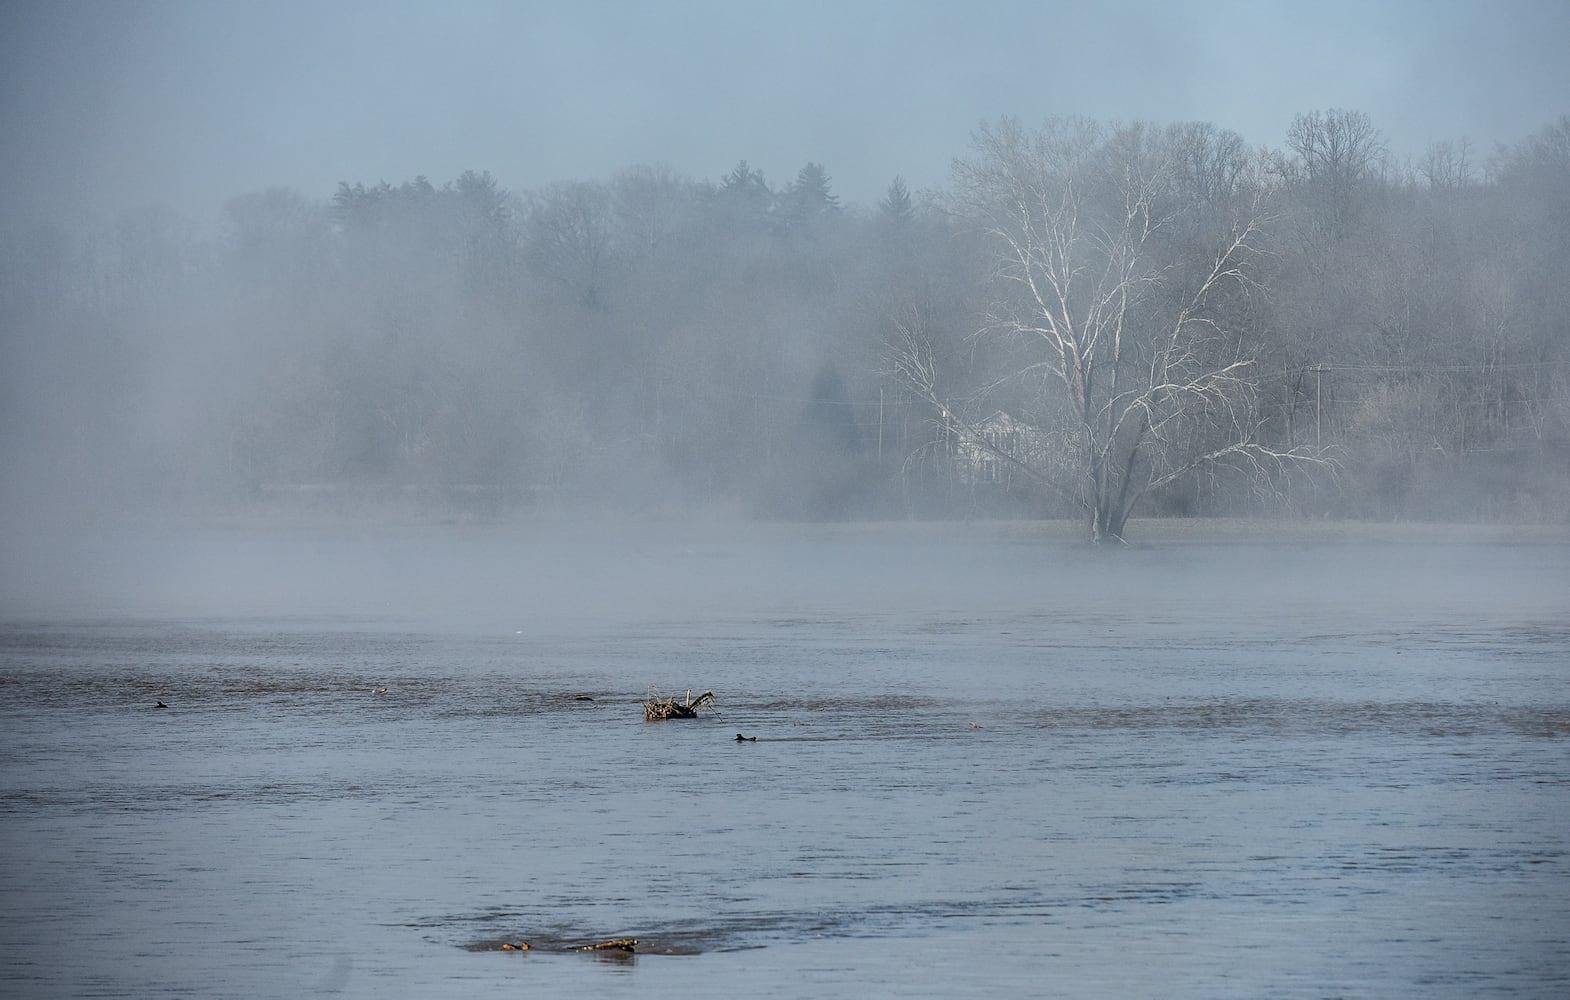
(809, 197)
(897, 208)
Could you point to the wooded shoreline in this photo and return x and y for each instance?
(727, 525)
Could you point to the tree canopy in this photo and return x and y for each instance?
(1089, 320)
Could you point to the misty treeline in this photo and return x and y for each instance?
(1090, 320)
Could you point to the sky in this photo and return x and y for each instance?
(109, 106)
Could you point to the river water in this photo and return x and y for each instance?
(983, 766)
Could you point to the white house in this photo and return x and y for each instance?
(1002, 435)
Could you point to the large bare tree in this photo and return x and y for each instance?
(1123, 265)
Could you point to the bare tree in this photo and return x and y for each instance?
(1339, 154)
(1447, 166)
(567, 237)
(1114, 314)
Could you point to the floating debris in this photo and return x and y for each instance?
(609, 948)
(378, 690)
(614, 944)
(657, 709)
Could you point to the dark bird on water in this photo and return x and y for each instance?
(160, 705)
(746, 739)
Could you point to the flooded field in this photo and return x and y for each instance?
(983, 766)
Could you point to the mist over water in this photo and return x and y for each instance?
(394, 396)
(581, 571)
(984, 764)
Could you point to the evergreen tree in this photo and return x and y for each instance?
(808, 198)
(744, 196)
(897, 208)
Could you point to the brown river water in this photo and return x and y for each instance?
(983, 767)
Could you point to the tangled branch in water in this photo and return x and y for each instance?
(656, 709)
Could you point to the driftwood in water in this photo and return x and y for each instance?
(614, 944)
(657, 708)
(611, 947)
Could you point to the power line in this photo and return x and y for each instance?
(1417, 368)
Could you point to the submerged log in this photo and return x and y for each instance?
(614, 944)
(610, 947)
(656, 709)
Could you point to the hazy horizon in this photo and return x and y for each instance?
(544, 326)
(110, 107)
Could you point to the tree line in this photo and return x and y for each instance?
(1089, 320)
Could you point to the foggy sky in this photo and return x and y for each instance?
(110, 105)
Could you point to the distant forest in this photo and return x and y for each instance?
(1088, 320)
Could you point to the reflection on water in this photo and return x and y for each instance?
(955, 791)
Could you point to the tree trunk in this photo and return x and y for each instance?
(1107, 521)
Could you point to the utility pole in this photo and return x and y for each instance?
(880, 427)
(1318, 371)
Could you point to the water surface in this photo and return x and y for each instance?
(983, 767)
